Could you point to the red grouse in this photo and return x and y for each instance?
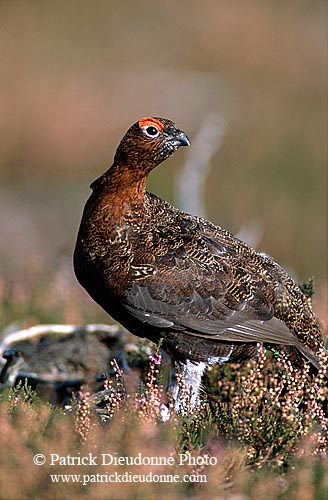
(164, 274)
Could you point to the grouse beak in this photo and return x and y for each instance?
(182, 139)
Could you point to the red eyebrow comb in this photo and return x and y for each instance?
(148, 121)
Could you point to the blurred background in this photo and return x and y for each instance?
(247, 81)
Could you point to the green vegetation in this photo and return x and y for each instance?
(263, 430)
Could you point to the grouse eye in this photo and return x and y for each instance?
(151, 131)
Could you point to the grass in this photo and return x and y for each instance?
(261, 433)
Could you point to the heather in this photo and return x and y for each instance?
(261, 427)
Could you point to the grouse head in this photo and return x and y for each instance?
(149, 142)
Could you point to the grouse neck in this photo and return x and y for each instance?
(122, 182)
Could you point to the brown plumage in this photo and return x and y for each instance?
(164, 274)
